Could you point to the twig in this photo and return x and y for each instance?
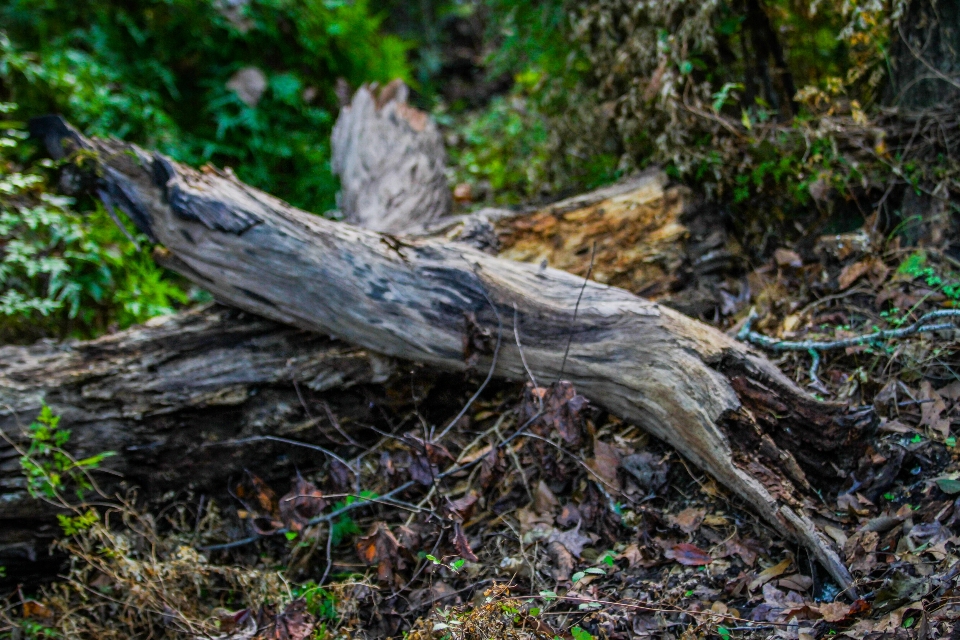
(295, 443)
(922, 325)
(329, 517)
(336, 425)
(523, 359)
(814, 347)
(231, 545)
(326, 570)
(599, 480)
(653, 608)
(576, 308)
(936, 72)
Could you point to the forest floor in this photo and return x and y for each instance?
(540, 516)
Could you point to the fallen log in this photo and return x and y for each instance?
(683, 381)
(162, 395)
(126, 393)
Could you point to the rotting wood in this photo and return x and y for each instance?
(652, 238)
(412, 298)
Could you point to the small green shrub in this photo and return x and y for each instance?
(50, 470)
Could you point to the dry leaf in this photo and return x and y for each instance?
(463, 508)
(841, 611)
(573, 540)
(770, 573)
(261, 504)
(688, 554)
(543, 499)
(860, 551)
(569, 515)
(36, 610)
(421, 471)
(605, 462)
(795, 582)
(435, 453)
(737, 546)
(632, 555)
(791, 322)
(787, 258)
(649, 470)
(561, 560)
(852, 272)
(932, 410)
(460, 543)
(295, 623)
(257, 496)
(688, 520)
(872, 267)
(303, 503)
(562, 407)
(379, 547)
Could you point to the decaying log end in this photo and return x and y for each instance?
(168, 397)
(816, 443)
(391, 161)
(721, 405)
(797, 447)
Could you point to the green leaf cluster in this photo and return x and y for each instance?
(66, 273)
(158, 72)
(49, 469)
(162, 73)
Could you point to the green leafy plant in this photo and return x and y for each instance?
(580, 634)
(320, 602)
(344, 527)
(49, 469)
(63, 272)
(165, 74)
(72, 525)
(454, 566)
(34, 630)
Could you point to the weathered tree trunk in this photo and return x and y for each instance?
(391, 162)
(683, 381)
(142, 392)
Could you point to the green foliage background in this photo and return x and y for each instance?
(156, 72)
(586, 91)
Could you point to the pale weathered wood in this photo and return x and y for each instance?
(391, 161)
(681, 380)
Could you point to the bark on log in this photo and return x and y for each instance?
(924, 58)
(683, 381)
(160, 395)
(391, 161)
